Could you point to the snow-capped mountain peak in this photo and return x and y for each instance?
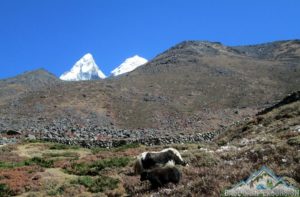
(129, 65)
(84, 69)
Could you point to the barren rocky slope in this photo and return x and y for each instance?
(13, 88)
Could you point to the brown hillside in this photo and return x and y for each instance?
(193, 86)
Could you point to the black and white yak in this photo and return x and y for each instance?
(161, 176)
(150, 160)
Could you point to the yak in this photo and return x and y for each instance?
(150, 160)
(161, 176)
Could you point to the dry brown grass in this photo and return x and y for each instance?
(211, 170)
(21, 179)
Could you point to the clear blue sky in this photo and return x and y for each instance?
(54, 34)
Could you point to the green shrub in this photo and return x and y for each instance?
(99, 184)
(127, 146)
(104, 183)
(86, 181)
(53, 192)
(39, 161)
(80, 169)
(94, 167)
(56, 191)
(113, 162)
(294, 141)
(222, 143)
(5, 190)
(33, 161)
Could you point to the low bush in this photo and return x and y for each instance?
(113, 162)
(33, 161)
(80, 169)
(5, 190)
(96, 166)
(294, 141)
(127, 146)
(86, 181)
(104, 183)
(39, 161)
(99, 184)
(222, 142)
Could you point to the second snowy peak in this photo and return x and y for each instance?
(129, 65)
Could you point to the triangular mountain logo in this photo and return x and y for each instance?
(262, 183)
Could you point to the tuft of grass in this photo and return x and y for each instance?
(80, 169)
(127, 146)
(113, 162)
(203, 159)
(99, 184)
(222, 142)
(5, 190)
(104, 183)
(11, 164)
(96, 150)
(86, 181)
(39, 161)
(294, 141)
(33, 161)
(56, 191)
(94, 168)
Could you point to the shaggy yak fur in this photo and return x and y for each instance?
(149, 160)
(161, 176)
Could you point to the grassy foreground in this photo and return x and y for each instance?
(47, 169)
(38, 169)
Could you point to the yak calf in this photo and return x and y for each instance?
(161, 176)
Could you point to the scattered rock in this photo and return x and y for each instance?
(31, 137)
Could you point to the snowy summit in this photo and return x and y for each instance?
(84, 69)
(129, 65)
